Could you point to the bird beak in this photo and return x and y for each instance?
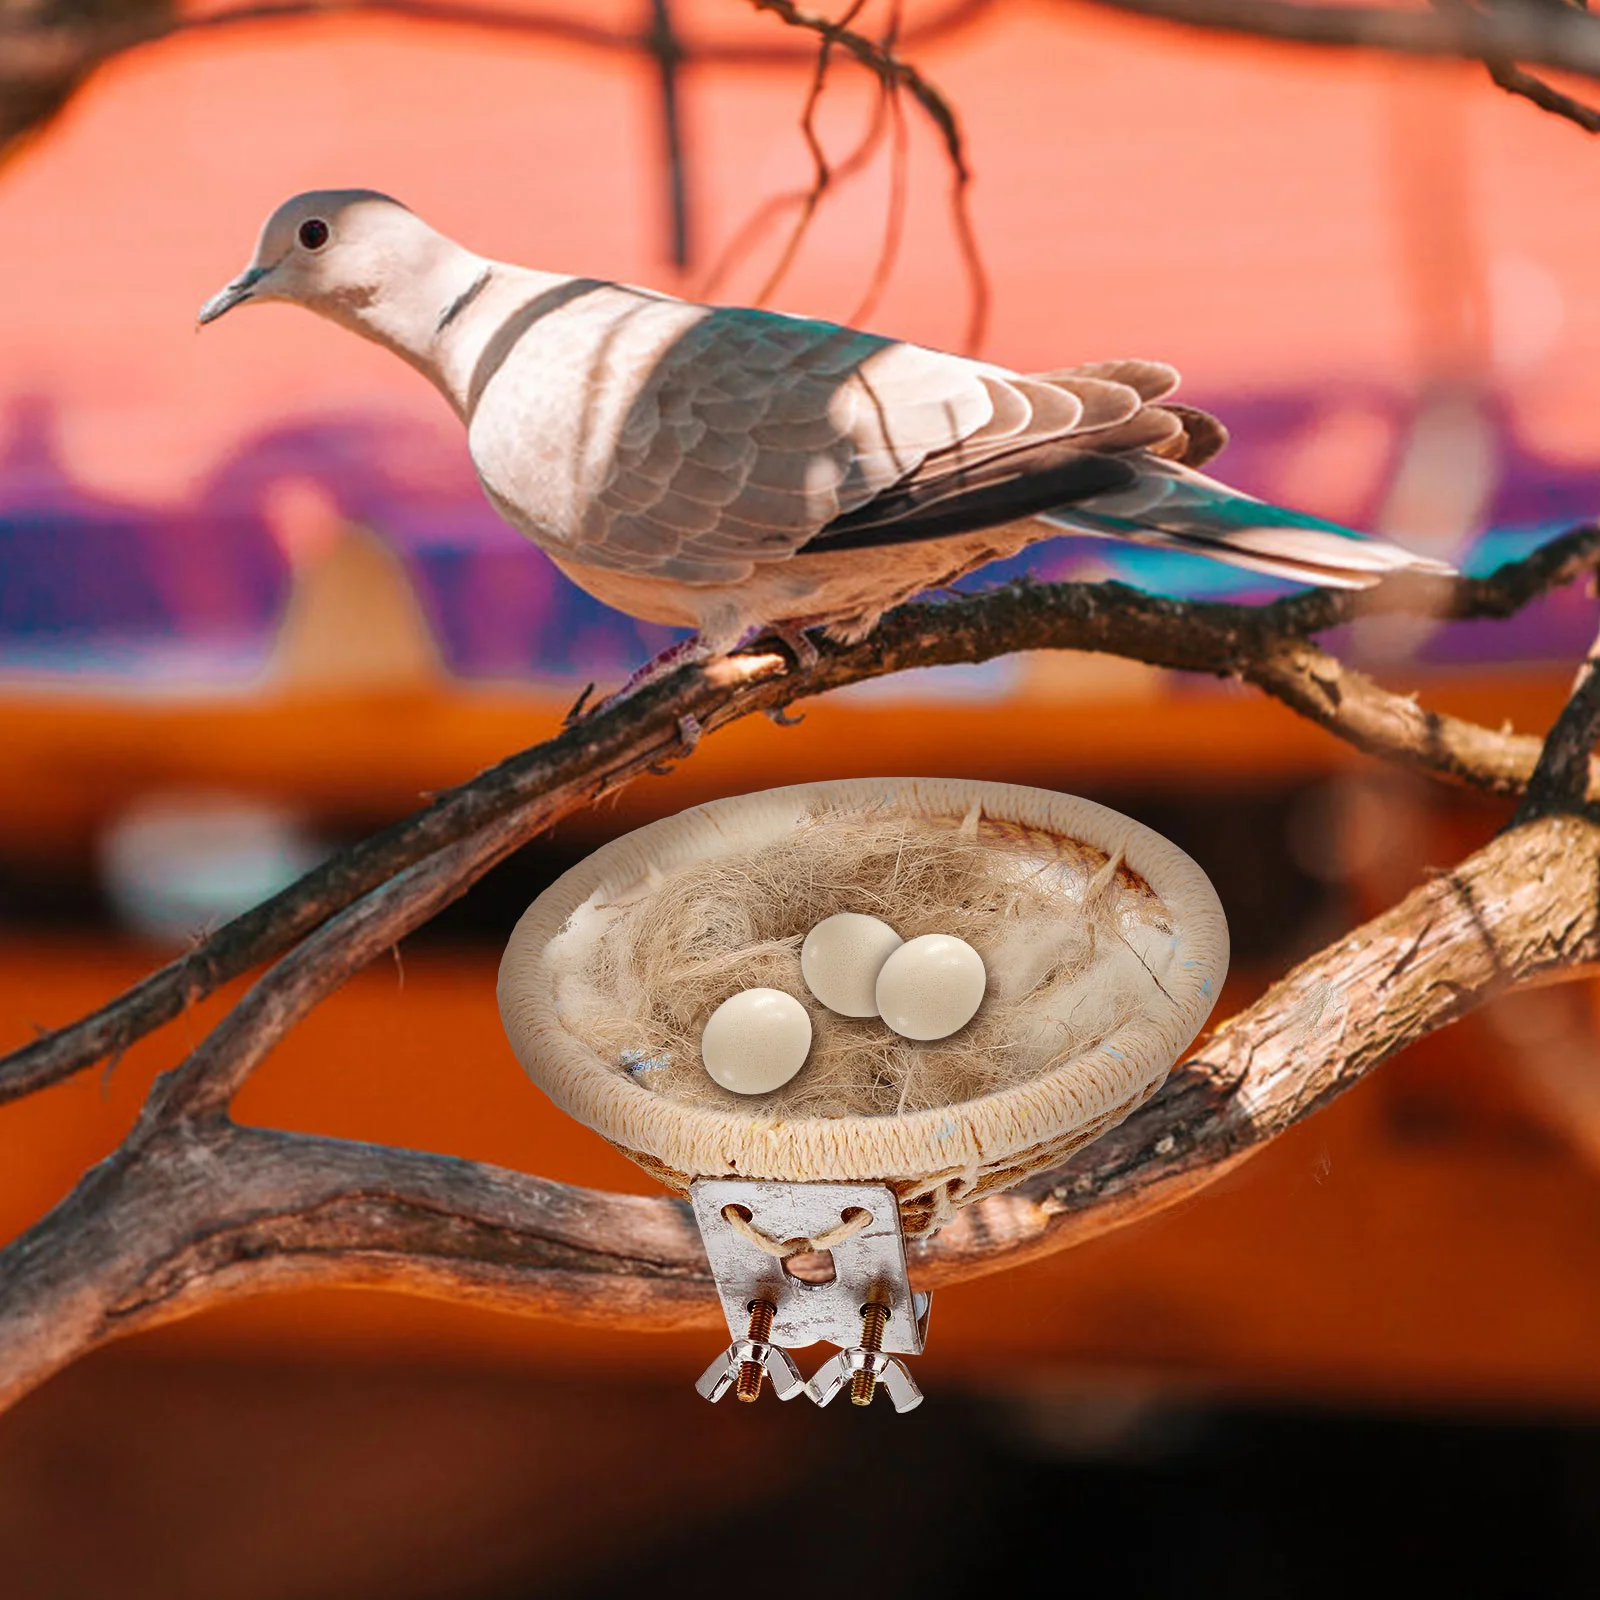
(236, 292)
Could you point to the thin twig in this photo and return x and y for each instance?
(1514, 80)
(897, 74)
(894, 211)
(759, 223)
(217, 1068)
(50, 50)
(1507, 75)
(822, 173)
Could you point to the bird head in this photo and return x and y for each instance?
(334, 251)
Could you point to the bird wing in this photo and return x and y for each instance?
(635, 432)
(754, 431)
(759, 435)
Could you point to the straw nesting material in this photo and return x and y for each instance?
(1074, 947)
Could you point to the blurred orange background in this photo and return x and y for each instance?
(1380, 273)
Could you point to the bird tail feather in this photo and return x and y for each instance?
(1176, 508)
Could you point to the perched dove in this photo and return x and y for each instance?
(738, 471)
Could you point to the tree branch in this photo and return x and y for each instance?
(1558, 36)
(194, 1210)
(1262, 645)
(188, 1214)
(37, 40)
(1561, 779)
(1514, 80)
(1524, 910)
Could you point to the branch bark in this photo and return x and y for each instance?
(1267, 646)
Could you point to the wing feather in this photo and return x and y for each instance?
(1150, 380)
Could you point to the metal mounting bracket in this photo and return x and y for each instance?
(869, 1266)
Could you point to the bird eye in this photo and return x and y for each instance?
(313, 233)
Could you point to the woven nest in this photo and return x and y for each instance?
(1105, 946)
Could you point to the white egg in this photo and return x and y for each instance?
(756, 1041)
(931, 986)
(840, 960)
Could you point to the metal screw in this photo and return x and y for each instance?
(864, 1385)
(751, 1373)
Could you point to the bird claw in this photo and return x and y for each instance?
(689, 735)
(781, 716)
(791, 636)
(685, 652)
(806, 655)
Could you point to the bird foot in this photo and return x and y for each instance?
(684, 653)
(792, 636)
(688, 652)
(689, 735)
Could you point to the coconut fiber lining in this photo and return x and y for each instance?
(1074, 943)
